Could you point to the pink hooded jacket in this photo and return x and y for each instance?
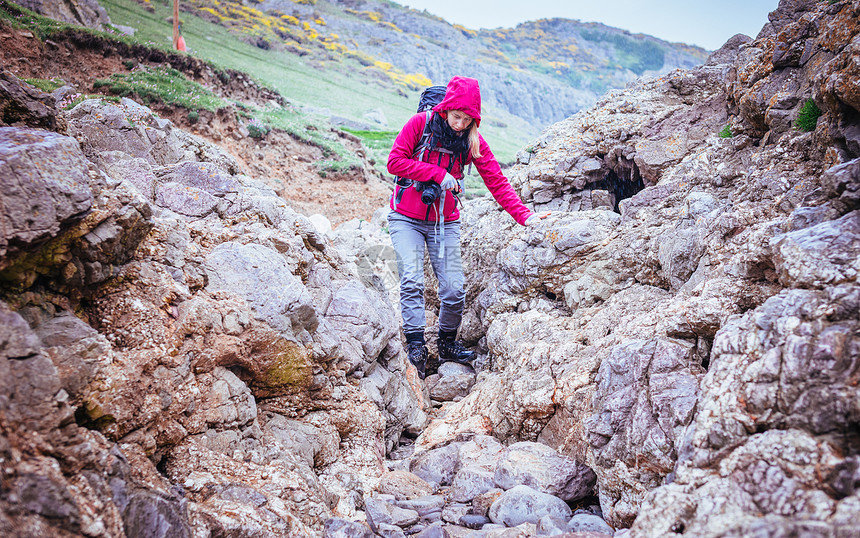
(462, 94)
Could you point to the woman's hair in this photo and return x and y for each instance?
(474, 141)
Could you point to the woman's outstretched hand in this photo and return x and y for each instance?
(535, 217)
(450, 182)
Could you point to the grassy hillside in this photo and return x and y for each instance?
(283, 71)
(342, 87)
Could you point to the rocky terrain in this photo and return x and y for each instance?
(674, 351)
(697, 347)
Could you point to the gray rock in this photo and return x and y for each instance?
(542, 468)
(377, 116)
(729, 51)
(432, 516)
(365, 323)
(679, 256)
(804, 217)
(133, 129)
(44, 188)
(434, 530)
(437, 466)
(76, 349)
(205, 177)
(551, 526)
(136, 171)
(469, 482)
(85, 13)
(482, 451)
(32, 392)
(111, 242)
(315, 446)
(243, 495)
(522, 504)
(629, 415)
(185, 200)
(396, 399)
(482, 502)
(41, 495)
(589, 523)
(473, 521)
(843, 183)
(248, 271)
(17, 341)
(403, 485)
(230, 403)
(21, 103)
(336, 527)
(389, 531)
(423, 505)
(149, 514)
(454, 368)
(384, 513)
(821, 255)
(453, 512)
(450, 387)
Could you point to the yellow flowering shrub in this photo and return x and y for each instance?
(390, 25)
(385, 66)
(276, 26)
(374, 16)
(465, 31)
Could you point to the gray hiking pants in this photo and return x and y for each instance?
(410, 237)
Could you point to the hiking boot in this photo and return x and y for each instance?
(416, 352)
(451, 350)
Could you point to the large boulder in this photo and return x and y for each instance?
(84, 13)
(542, 468)
(45, 188)
(22, 104)
(522, 504)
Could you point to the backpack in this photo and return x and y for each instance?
(430, 97)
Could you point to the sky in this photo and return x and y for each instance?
(706, 23)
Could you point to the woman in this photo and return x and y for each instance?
(454, 142)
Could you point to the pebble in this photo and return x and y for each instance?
(473, 521)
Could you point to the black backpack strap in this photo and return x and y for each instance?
(418, 152)
(404, 184)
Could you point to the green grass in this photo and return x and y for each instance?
(808, 116)
(331, 87)
(19, 17)
(377, 145)
(43, 27)
(162, 84)
(336, 86)
(289, 74)
(726, 132)
(44, 84)
(313, 130)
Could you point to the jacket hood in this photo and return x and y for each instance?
(462, 94)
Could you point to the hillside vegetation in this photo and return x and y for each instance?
(542, 71)
(362, 63)
(321, 83)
